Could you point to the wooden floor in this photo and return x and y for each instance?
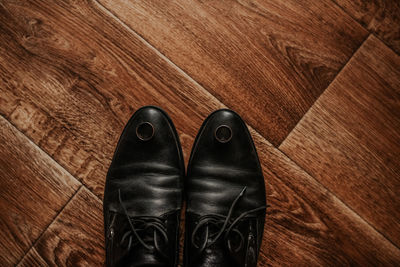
(318, 83)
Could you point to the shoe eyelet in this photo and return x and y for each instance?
(145, 131)
(223, 134)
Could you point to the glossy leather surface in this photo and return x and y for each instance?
(147, 177)
(218, 172)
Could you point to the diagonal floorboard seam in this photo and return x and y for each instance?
(371, 35)
(60, 166)
(47, 227)
(383, 41)
(80, 181)
(91, 192)
(142, 39)
(344, 203)
(38, 147)
(308, 111)
(359, 23)
(334, 78)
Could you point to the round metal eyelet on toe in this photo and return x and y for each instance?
(223, 133)
(145, 131)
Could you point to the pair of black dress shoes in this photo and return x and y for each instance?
(146, 184)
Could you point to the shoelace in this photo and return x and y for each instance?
(216, 219)
(141, 224)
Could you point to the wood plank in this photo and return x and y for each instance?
(350, 139)
(269, 60)
(306, 223)
(33, 188)
(73, 98)
(33, 258)
(75, 238)
(379, 17)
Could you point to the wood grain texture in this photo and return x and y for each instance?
(380, 17)
(269, 60)
(350, 139)
(73, 96)
(33, 258)
(307, 225)
(74, 104)
(75, 238)
(33, 188)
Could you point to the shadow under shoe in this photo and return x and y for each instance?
(143, 193)
(225, 195)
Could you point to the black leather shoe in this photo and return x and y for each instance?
(225, 195)
(143, 193)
